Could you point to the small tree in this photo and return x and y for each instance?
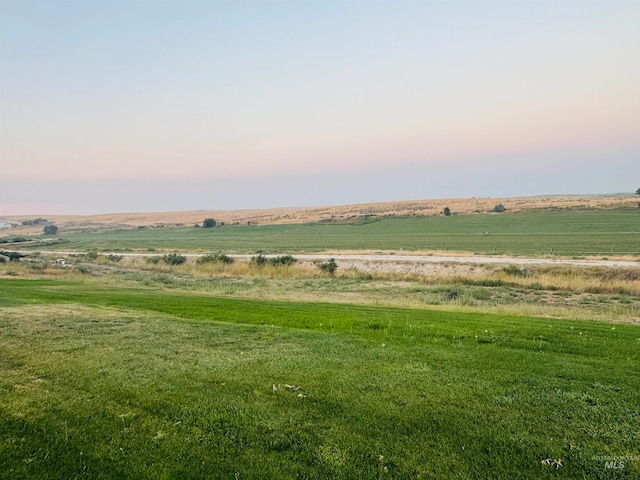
(638, 191)
(50, 230)
(209, 223)
(447, 212)
(499, 208)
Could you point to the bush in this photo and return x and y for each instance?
(282, 261)
(447, 212)
(114, 258)
(329, 267)
(174, 259)
(18, 239)
(499, 208)
(50, 230)
(35, 221)
(259, 260)
(209, 223)
(217, 258)
(152, 260)
(91, 254)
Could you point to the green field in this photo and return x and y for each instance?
(115, 367)
(562, 232)
(102, 381)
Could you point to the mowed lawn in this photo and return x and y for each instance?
(563, 232)
(108, 382)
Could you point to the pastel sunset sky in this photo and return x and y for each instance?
(141, 105)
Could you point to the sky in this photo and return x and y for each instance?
(166, 105)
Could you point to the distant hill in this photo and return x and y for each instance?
(457, 206)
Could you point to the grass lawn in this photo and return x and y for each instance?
(110, 382)
(564, 232)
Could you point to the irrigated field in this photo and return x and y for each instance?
(108, 382)
(562, 232)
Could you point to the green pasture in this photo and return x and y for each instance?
(109, 382)
(562, 232)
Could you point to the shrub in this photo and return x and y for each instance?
(35, 221)
(91, 254)
(217, 258)
(50, 230)
(282, 261)
(206, 259)
(174, 259)
(499, 208)
(114, 258)
(18, 239)
(447, 212)
(329, 267)
(209, 223)
(2, 259)
(4, 240)
(259, 260)
(152, 260)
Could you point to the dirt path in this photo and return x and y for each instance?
(409, 259)
(474, 260)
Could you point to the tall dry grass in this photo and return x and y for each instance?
(597, 280)
(593, 280)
